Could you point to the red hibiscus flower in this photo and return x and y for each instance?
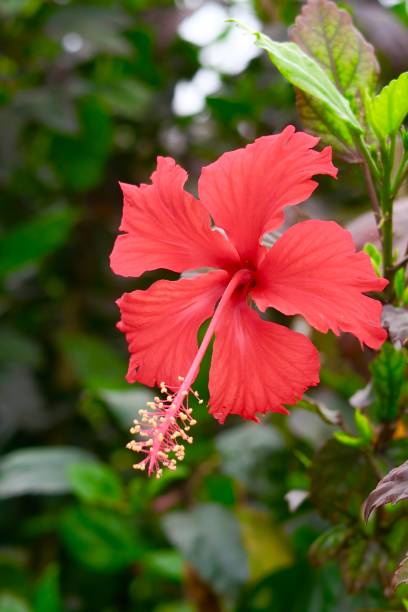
(312, 270)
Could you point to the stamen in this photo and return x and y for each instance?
(163, 428)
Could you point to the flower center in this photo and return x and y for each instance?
(164, 426)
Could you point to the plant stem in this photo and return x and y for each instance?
(373, 195)
(386, 201)
(371, 174)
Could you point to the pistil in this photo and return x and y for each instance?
(164, 426)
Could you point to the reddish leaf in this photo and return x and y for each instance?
(401, 574)
(327, 34)
(391, 489)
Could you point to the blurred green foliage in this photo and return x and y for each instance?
(86, 95)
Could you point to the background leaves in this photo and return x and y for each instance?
(90, 95)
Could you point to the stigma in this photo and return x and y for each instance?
(163, 429)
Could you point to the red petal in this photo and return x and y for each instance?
(313, 270)
(246, 190)
(166, 227)
(258, 366)
(161, 325)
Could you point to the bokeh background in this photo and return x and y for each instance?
(91, 91)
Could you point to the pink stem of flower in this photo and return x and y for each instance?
(239, 278)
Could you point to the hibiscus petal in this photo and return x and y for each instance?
(258, 366)
(161, 325)
(246, 190)
(166, 227)
(313, 270)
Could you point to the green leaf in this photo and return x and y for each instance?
(348, 440)
(388, 370)
(305, 73)
(95, 483)
(125, 404)
(388, 110)
(364, 426)
(166, 563)
(391, 489)
(40, 471)
(95, 364)
(47, 593)
(99, 538)
(208, 537)
(328, 545)
(259, 442)
(319, 119)
(30, 242)
(375, 256)
(326, 33)
(79, 160)
(399, 284)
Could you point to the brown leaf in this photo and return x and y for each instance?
(401, 573)
(391, 489)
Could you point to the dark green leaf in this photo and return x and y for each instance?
(99, 28)
(125, 404)
(340, 478)
(391, 489)
(94, 363)
(388, 110)
(327, 34)
(79, 159)
(328, 545)
(396, 321)
(95, 483)
(304, 72)
(18, 348)
(167, 564)
(209, 539)
(32, 241)
(41, 471)
(127, 98)
(259, 442)
(49, 106)
(99, 539)
(388, 370)
(361, 563)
